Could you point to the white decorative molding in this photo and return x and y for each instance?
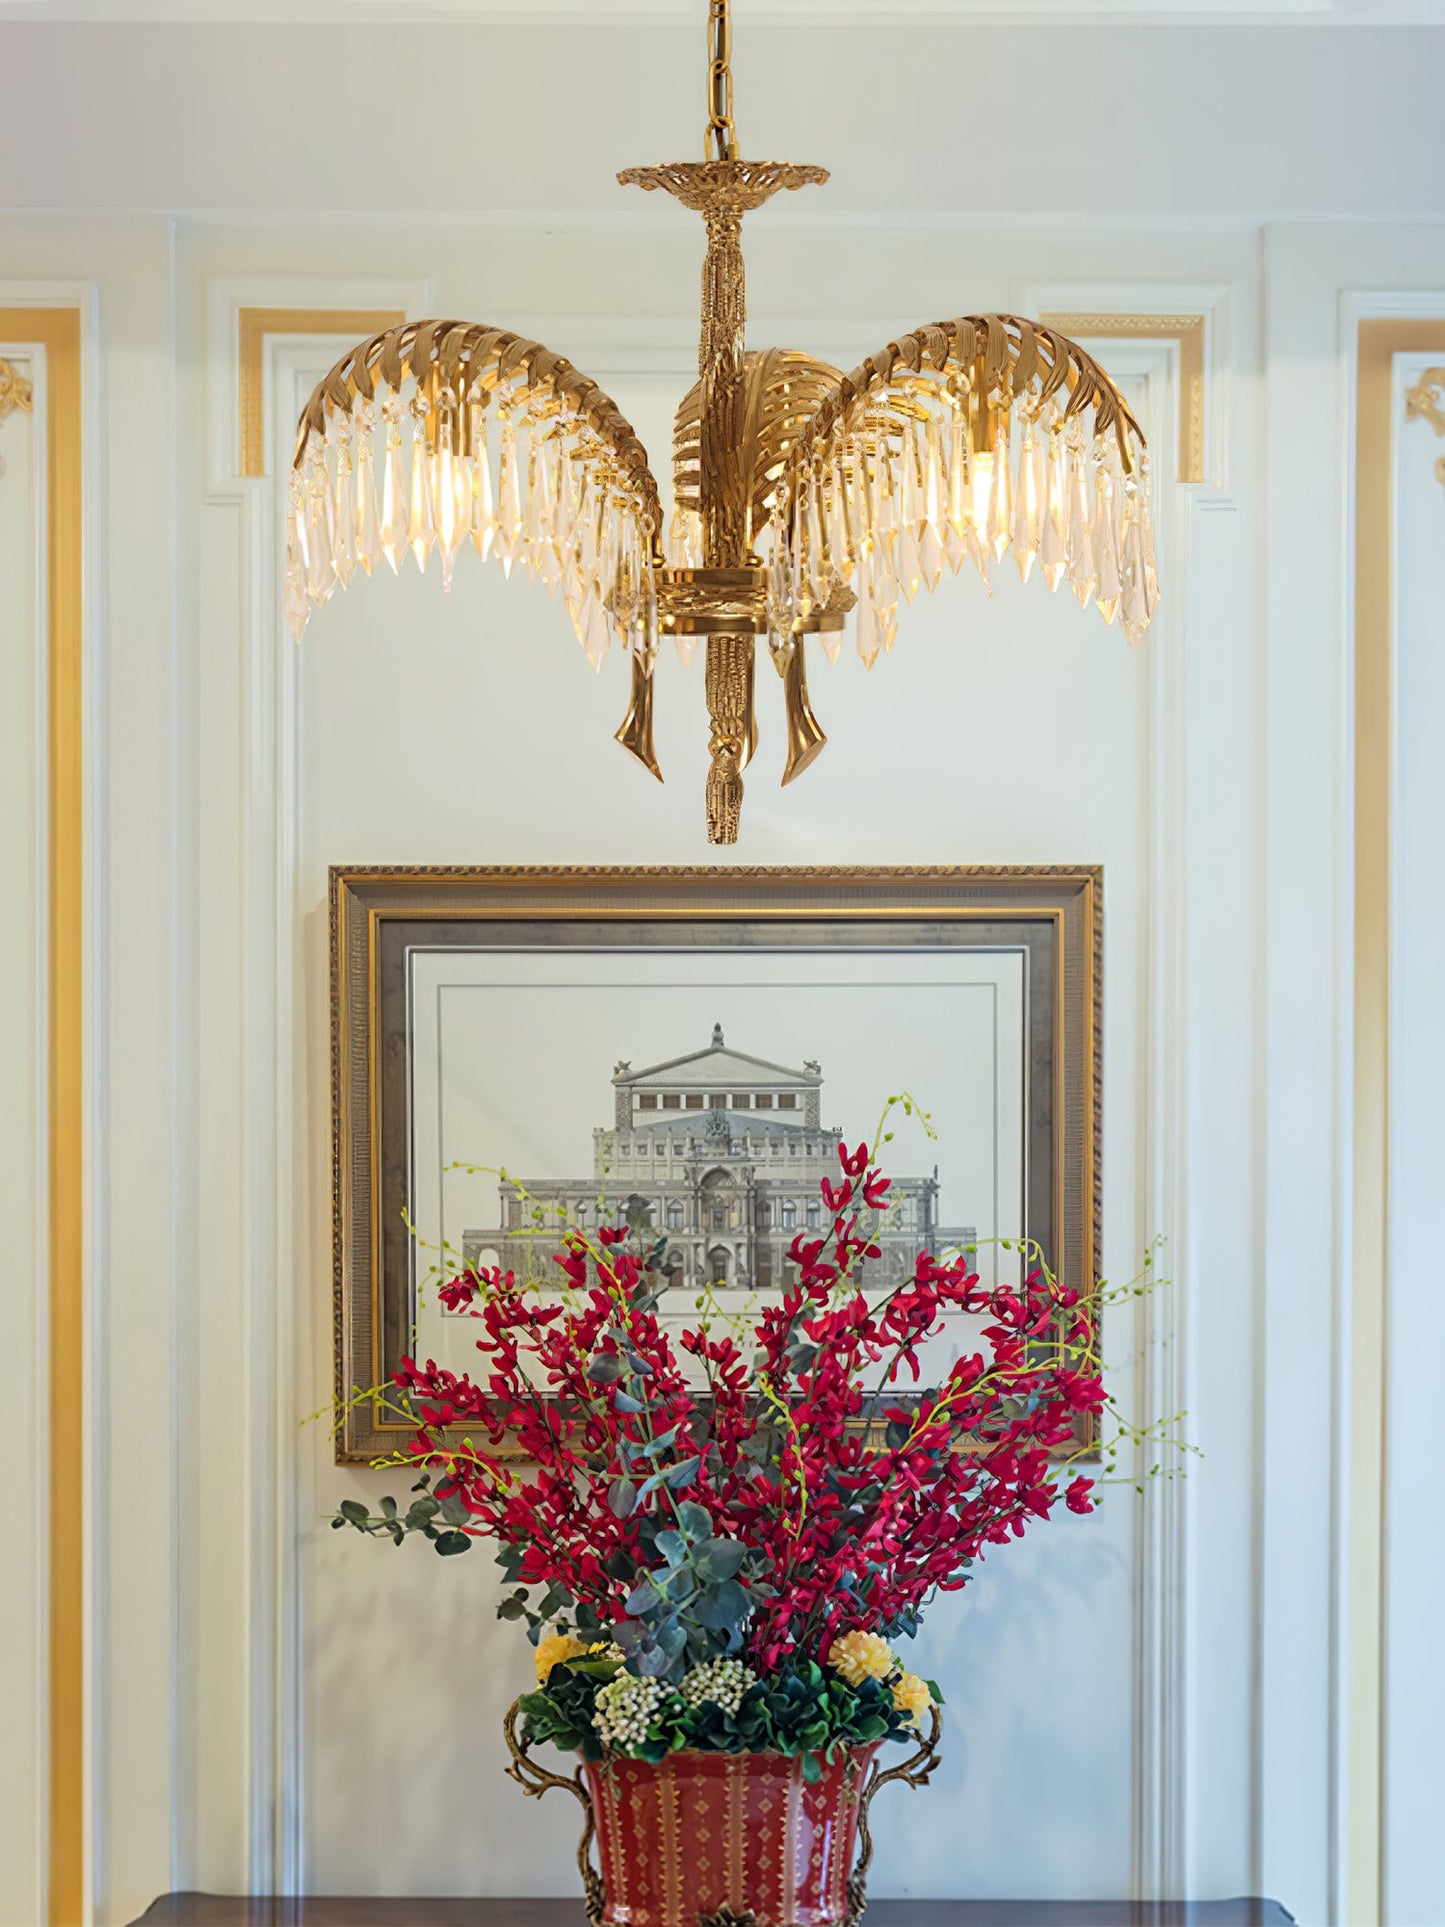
(1163, 1807)
(270, 942)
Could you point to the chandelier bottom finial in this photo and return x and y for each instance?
(730, 663)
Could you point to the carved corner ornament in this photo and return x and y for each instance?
(17, 395)
(1426, 402)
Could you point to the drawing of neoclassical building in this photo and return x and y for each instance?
(724, 1153)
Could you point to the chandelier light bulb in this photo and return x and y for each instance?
(806, 501)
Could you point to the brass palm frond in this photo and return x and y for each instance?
(442, 434)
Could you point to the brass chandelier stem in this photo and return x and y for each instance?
(730, 663)
(722, 142)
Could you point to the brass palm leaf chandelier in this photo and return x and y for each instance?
(803, 498)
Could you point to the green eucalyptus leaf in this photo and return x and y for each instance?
(680, 1476)
(643, 1598)
(719, 1559)
(695, 1521)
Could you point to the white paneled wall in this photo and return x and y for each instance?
(275, 1703)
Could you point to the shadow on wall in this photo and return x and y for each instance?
(408, 1800)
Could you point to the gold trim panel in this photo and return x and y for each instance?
(57, 331)
(1185, 329)
(253, 327)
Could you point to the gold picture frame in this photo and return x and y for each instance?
(383, 918)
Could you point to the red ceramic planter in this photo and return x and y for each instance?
(725, 1839)
(702, 1832)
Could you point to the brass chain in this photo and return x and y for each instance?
(721, 143)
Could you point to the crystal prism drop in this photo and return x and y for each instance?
(320, 570)
(393, 542)
(448, 509)
(910, 504)
(509, 505)
(344, 520)
(1000, 499)
(980, 475)
(955, 545)
(368, 535)
(1131, 570)
(820, 573)
(1053, 548)
(420, 534)
(1082, 573)
(484, 521)
(886, 497)
(649, 616)
(930, 541)
(1109, 587)
(866, 630)
(907, 560)
(840, 528)
(597, 632)
(1024, 531)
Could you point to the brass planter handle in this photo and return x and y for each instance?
(534, 1781)
(915, 1771)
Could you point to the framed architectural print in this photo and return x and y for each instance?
(519, 1050)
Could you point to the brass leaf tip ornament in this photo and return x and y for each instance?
(17, 392)
(804, 499)
(17, 395)
(1425, 401)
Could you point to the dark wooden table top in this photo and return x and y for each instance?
(220, 1910)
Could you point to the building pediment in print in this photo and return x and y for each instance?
(722, 1152)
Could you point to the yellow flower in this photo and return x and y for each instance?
(911, 1695)
(860, 1656)
(552, 1650)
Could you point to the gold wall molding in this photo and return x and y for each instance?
(1426, 402)
(253, 327)
(1378, 344)
(1187, 331)
(57, 332)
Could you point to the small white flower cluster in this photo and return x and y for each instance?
(723, 1681)
(624, 1708)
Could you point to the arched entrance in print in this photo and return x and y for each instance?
(719, 1201)
(719, 1265)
